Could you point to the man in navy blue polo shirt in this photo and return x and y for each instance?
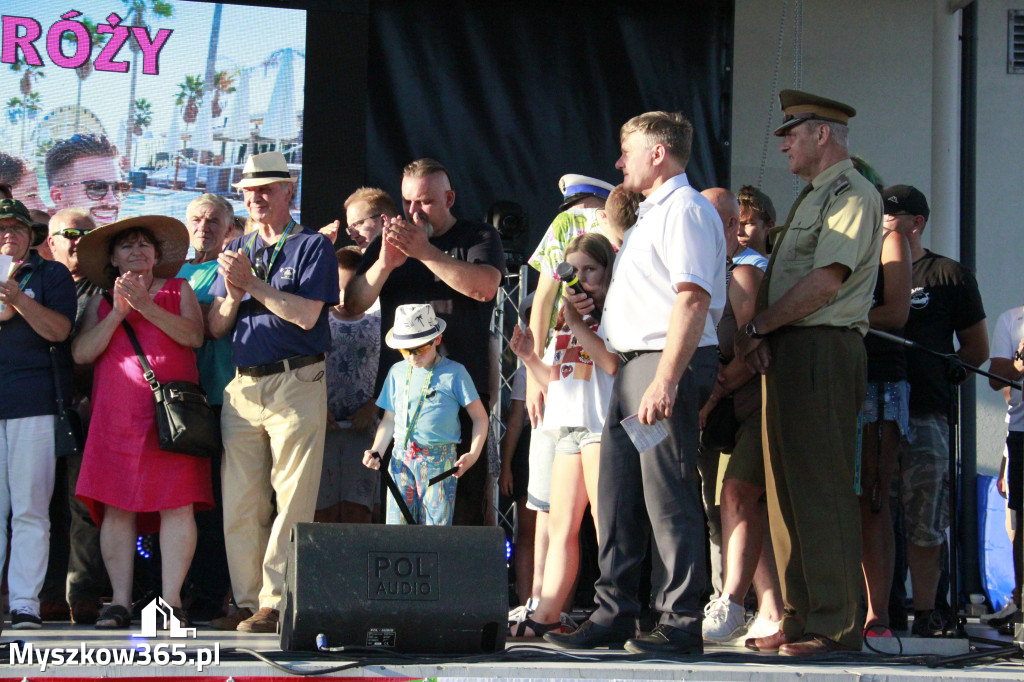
(271, 292)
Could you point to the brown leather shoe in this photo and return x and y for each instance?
(232, 620)
(810, 645)
(54, 611)
(85, 611)
(769, 643)
(264, 621)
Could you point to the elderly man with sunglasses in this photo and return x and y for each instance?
(82, 172)
(273, 293)
(84, 568)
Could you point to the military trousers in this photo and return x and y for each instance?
(812, 392)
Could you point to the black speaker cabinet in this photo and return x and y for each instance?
(410, 589)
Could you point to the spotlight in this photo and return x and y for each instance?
(509, 219)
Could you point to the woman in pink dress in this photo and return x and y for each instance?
(130, 485)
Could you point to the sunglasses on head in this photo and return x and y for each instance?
(418, 350)
(97, 189)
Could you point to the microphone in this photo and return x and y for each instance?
(567, 273)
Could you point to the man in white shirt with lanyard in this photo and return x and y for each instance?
(666, 296)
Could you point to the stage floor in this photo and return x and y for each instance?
(238, 657)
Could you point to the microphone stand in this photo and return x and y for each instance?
(956, 374)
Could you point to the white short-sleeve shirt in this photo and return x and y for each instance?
(678, 238)
(1005, 340)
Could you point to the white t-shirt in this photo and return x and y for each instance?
(678, 238)
(578, 390)
(1005, 340)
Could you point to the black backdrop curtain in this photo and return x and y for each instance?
(511, 95)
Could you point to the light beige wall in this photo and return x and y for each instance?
(1000, 193)
(877, 55)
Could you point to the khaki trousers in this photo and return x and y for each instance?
(273, 429)
(813, 391)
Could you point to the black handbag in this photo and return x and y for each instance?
(185, 421)
(68, 434)
(720, 427)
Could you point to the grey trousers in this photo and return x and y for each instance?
(656, 491)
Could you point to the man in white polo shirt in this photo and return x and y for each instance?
(666, 296)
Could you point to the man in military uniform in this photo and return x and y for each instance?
(807, 339)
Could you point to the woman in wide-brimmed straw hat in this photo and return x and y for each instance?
(130, 485)
(39, 306)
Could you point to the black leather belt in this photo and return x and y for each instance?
(294, 362)
(631, 354)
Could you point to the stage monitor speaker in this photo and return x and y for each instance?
(409, 589)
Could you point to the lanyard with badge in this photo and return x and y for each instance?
(250, 251)
(410, 424)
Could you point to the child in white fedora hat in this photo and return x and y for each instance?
(421, 398)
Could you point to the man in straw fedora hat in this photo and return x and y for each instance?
(270, 294)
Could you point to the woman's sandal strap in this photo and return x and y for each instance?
(539, 629)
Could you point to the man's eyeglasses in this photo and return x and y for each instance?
(418, 350)
(97, 189)
(72, 233)
(356, 224)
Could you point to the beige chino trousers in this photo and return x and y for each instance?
(273, 429)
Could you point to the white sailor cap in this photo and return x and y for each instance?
(575, 187)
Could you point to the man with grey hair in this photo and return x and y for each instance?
(275, 288)
(209, 218)
(84, 571)
(456, 265)
(667, 293)
(807, 338)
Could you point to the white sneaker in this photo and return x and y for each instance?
(761, 627)
(723, 620)
(521, 613)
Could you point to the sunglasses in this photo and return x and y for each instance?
(72, 233)
(418, 350)
(97, 189)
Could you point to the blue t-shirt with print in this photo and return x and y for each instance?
(448, 389)
(305, 266)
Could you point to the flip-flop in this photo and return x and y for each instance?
(538, 629)
(121, 617)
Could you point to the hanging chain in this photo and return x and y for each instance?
(771, 96)
(798, 68)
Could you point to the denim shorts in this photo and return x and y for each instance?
(896, 407)
(571, 441)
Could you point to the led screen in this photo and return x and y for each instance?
(134, 107)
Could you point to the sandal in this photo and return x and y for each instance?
(114, 617)
(538, 629)
(179, 613)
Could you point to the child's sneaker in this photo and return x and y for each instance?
(759, 627)
(724, 620)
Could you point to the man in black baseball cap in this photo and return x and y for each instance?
(944, 301)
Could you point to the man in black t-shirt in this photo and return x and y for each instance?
(944, 301)
(455, 265)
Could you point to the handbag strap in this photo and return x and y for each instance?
(147, 371)
(56, 378)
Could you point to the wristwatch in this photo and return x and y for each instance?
(751, 331)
